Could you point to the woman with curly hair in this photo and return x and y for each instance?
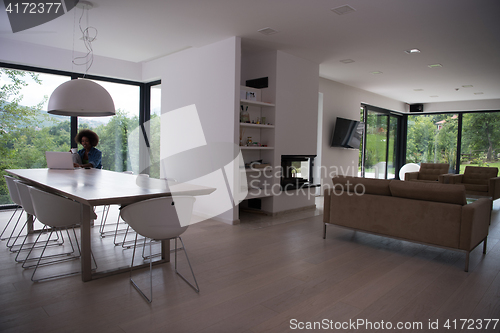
(90, 156)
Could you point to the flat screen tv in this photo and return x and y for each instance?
(347, 133)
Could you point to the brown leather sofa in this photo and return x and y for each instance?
(429, 172)
(431, 213)
(480, 181)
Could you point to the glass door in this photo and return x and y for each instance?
(380, 146)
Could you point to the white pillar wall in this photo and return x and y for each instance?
(208, 79)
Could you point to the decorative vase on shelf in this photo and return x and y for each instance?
(244, 116)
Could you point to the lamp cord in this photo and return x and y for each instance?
(87, 38)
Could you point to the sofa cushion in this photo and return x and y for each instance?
(479, 175)
(431, 171)
(446, 193)
(362, 185)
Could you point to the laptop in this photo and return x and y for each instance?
(59, 160)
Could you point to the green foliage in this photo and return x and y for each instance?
(15, 120)
(113, 141)
(481, 136)
(27, 132)
(377, 147)
(432, 138)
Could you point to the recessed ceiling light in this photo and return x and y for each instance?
(478, 93)
(343, 10)
(376, 72)
(435, 66)
(410, 51)
(418, 89)
(347, 61)
(434, 96)
(267, 31)
(467, 86)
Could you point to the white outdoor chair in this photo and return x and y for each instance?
(57, 213)
(160, 219)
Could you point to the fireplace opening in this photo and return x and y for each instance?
(297, 172)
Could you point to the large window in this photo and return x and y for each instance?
(27, 130)
(120, 151)
(154, 130)
(432, 139)
(480, 139)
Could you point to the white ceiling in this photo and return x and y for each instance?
(462, 35)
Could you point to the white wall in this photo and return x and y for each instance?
(296, 105)
(296, 119)
(344, 101)
(27, 54)
(293, 87)
(209, 78)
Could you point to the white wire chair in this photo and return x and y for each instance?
(14, 196)
(24, 195)
(160, 219)
(56, 213)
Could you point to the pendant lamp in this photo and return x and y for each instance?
(82, 97)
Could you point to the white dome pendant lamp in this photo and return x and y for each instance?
(82, 97)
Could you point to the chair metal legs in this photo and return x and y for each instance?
(66, 254)
(7, 225)
(197, 289)
(9, 245)
(150, 299)
(13, 246)
(150, 274)
(104, 219)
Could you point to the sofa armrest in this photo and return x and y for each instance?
(454, 179)
(411, 176)
(494, 188)
(445, 178)
(475, 223)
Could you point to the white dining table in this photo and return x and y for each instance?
(94, 187)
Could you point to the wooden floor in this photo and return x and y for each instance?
(266, 275)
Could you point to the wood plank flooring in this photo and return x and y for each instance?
(264, 275)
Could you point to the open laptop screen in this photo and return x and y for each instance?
(59, 160)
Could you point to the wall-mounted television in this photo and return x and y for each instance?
(347, 133)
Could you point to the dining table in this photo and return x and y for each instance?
(97, 187)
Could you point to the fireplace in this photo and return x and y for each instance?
(297, 171)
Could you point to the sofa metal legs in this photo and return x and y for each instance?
(485, 242)
(467, 253)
